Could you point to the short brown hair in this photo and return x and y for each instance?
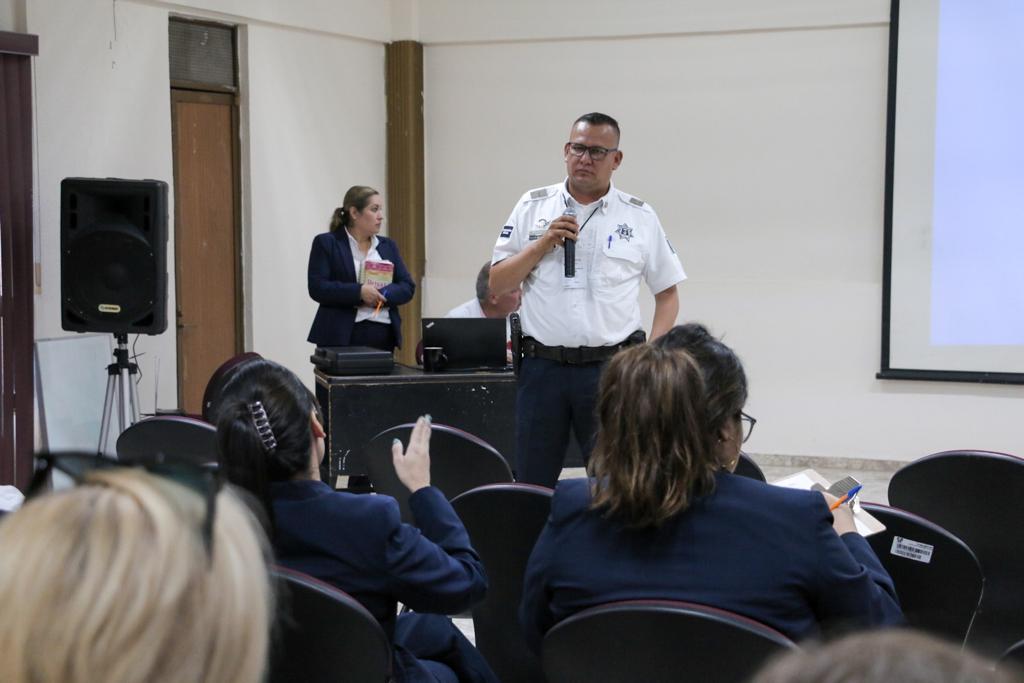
(653, 454)
(357, 197)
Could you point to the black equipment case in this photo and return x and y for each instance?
(353, 360)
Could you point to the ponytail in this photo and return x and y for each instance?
(339, 219)
(264, 433)
(357, 197)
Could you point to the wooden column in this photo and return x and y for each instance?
(404, 68)
(17, 329)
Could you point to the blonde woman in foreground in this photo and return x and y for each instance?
(131, 577)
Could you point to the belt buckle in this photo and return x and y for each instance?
(572, 356)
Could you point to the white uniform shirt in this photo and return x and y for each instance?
(472, 309)
(622, 243)
(366, 312)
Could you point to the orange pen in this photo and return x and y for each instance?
(846, 496)
(377, 310)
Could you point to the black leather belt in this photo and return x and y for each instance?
(578, 355)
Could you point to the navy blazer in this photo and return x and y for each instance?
(763, 551)
(359, 544)
(333, 284)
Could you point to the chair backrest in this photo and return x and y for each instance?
(504, 521)
(324, 635)
(459, 462)
(975, 495)
(746, 467)
(184, 437)
(937, 577)
(658, 641)
(219, 378)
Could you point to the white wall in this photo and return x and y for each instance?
(313, 124)
(757, 130)
(317, 117)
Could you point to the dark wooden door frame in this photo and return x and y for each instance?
(16, 301)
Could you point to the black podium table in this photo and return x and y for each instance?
(357, 408)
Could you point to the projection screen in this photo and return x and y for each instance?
(953, 281)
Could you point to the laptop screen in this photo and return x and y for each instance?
(467, 343)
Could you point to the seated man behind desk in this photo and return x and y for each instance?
(487, 304)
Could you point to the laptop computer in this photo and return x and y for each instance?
(467, 343)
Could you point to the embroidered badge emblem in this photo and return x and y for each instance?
(624, 232)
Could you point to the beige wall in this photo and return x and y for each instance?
(313, 124)
(757, 130)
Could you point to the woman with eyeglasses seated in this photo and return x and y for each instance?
(271, 442)
(663, 517)
(116, 580)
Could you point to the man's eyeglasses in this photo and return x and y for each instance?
(748, 425)
(204, 480)
(596, 153)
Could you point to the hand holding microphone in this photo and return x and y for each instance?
(570, 245)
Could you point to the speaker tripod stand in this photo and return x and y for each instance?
(120, 374)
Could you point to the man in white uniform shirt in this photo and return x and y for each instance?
(571, 325)
(487, 304)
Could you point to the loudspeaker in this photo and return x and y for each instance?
(113, 255)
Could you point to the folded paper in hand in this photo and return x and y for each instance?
(810, 480)
(380, 274)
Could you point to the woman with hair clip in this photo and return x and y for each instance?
(271, 442)
(664, 517)
(132, 577)
(354, 312)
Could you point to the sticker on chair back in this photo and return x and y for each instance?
(922, 552)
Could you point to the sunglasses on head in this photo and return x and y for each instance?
(202, 479)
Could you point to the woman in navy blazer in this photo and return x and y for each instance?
(271, 442)
(665, 518)
(350, 313)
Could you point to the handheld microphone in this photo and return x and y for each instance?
(570, 247)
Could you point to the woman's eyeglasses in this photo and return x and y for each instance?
(202, 479)
(748, 425)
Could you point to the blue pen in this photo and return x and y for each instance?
(848, 496)
(609, 241)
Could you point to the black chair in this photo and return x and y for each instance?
(504, 521)
(746, 467)
(937, 577)
(324, 635)
(1013, 657)
(184, 437)
(459, 462)
(975, 495)
(658, 641)
(219, 378)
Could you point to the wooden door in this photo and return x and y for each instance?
(206, 242)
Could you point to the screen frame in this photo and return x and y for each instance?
(886, 371)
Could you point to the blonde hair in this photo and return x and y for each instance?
(111, 581)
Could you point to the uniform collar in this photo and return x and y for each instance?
(566, 197)
(354, 245)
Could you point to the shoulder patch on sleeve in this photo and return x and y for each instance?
(635, 202)
(506, 232)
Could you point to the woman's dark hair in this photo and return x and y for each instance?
(252, 456)
(653, 454)
(725, 383)
(357, 197)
